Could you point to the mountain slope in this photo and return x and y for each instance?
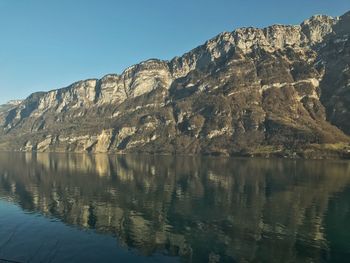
(9, 105)
(281, 90)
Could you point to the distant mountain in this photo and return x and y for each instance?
(9, 105)
(279, 91)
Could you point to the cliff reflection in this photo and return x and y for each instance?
(199, 208)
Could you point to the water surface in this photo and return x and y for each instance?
(130, 208)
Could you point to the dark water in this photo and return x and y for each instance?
(83, 208)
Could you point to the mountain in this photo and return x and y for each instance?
(9, 105)
(283, 90)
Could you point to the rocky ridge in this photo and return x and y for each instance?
(282, 90)
(9, 105)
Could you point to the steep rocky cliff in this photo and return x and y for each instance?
(281, 90)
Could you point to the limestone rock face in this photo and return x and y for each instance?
(317, 27)
(283, 89)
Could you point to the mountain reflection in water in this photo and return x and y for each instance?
(200, 209)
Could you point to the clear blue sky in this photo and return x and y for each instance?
(48, 44)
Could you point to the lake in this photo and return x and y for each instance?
(143, 208)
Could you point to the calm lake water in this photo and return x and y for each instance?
(99, 208)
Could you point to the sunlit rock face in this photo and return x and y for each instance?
(281, 90)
